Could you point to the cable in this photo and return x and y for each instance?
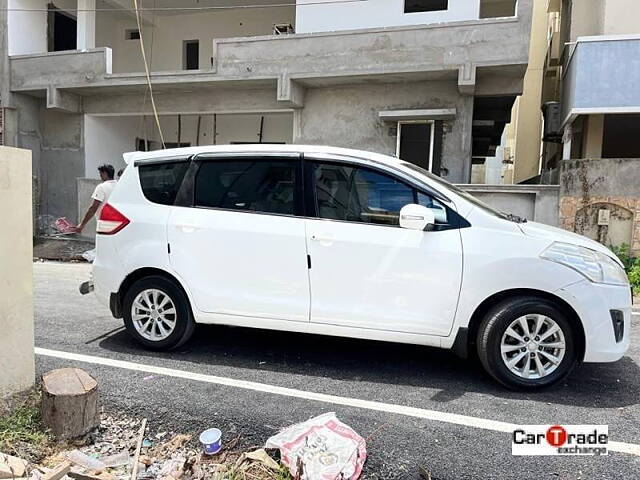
(142, 126)
(193, 9)
(146, 69)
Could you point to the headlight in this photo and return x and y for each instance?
(596, 266)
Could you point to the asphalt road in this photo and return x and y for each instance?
(402, 375)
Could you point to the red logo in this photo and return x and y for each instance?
(556, 436)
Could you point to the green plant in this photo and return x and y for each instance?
(23, 426)
(631, 264)
(623, 252)
(634, 275)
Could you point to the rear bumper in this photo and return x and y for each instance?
(594, 304)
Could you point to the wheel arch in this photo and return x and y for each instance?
(466, 338)
(118, 297)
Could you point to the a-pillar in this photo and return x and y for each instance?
(86, 37)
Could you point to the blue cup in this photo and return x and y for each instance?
(211, 441)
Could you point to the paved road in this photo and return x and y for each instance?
(392, 374)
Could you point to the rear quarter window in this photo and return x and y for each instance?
(161, 182)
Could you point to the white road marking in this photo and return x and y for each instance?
(453, 418)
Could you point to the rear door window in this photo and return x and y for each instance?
(266, 186)
(160, 182)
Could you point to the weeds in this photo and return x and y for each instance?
(23, 426)
(631, 264)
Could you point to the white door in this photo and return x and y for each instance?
(241, 249)
(368, 272)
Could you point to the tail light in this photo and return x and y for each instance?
(110, 221)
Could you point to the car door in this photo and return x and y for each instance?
(366, 271)
(240, 247)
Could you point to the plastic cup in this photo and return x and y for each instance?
(211, 441)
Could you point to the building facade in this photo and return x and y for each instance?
(432, 81)
(592, 134)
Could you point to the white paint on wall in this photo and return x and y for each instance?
(108, 137)
(27, 31)
(86, 32)
(328, 15)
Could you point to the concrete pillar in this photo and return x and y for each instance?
(86, 36)
(566, 142)
(594, 136)
(16, 281)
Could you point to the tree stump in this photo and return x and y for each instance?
(69, 402)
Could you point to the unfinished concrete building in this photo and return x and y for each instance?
(432, 81)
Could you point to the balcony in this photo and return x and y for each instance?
(601, 76)
(472, 50)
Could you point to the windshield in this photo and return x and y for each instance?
(467, 196)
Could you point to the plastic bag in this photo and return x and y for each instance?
(89, 255)
(327, 448)
(64, 226)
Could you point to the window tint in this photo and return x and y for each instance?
(161, 182)
(254, 185)
(359, 195)
(439, 210)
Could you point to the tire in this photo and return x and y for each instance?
(173, 327)
(540, 366)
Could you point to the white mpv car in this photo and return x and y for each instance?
(350, 243)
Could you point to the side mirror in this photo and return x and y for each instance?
(417, 217)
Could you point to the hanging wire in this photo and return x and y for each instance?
(193, 9)
(146, 70)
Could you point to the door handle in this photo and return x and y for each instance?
(186, 228)
(322, 238)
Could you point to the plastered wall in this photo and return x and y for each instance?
(16, 280)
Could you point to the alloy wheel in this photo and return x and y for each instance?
(153, 314)
(533, 346)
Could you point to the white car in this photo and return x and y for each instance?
(349, 243)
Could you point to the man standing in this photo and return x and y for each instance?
(100, 195)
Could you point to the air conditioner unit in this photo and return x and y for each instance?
(552, 112)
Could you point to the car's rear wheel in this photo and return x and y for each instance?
(527, 343)
(157, 313)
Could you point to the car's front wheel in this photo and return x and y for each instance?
(527, 343)
(157, 313)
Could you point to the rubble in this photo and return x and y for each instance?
(12, 467)
(124, 449)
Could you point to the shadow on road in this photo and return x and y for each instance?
(590, 385)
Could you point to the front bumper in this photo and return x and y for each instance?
(594, 304)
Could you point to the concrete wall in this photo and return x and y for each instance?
(16, 282)
(27, 30)
(587, 18)
(328, 15)
(537, 203)
(164, 39)
(621, 17)
(108, 137)
(85, 187)
(603, 76)
(348, 117)
(526, 115)
(587, 186)
(603, 17)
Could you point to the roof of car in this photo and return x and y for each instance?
(258, 148)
